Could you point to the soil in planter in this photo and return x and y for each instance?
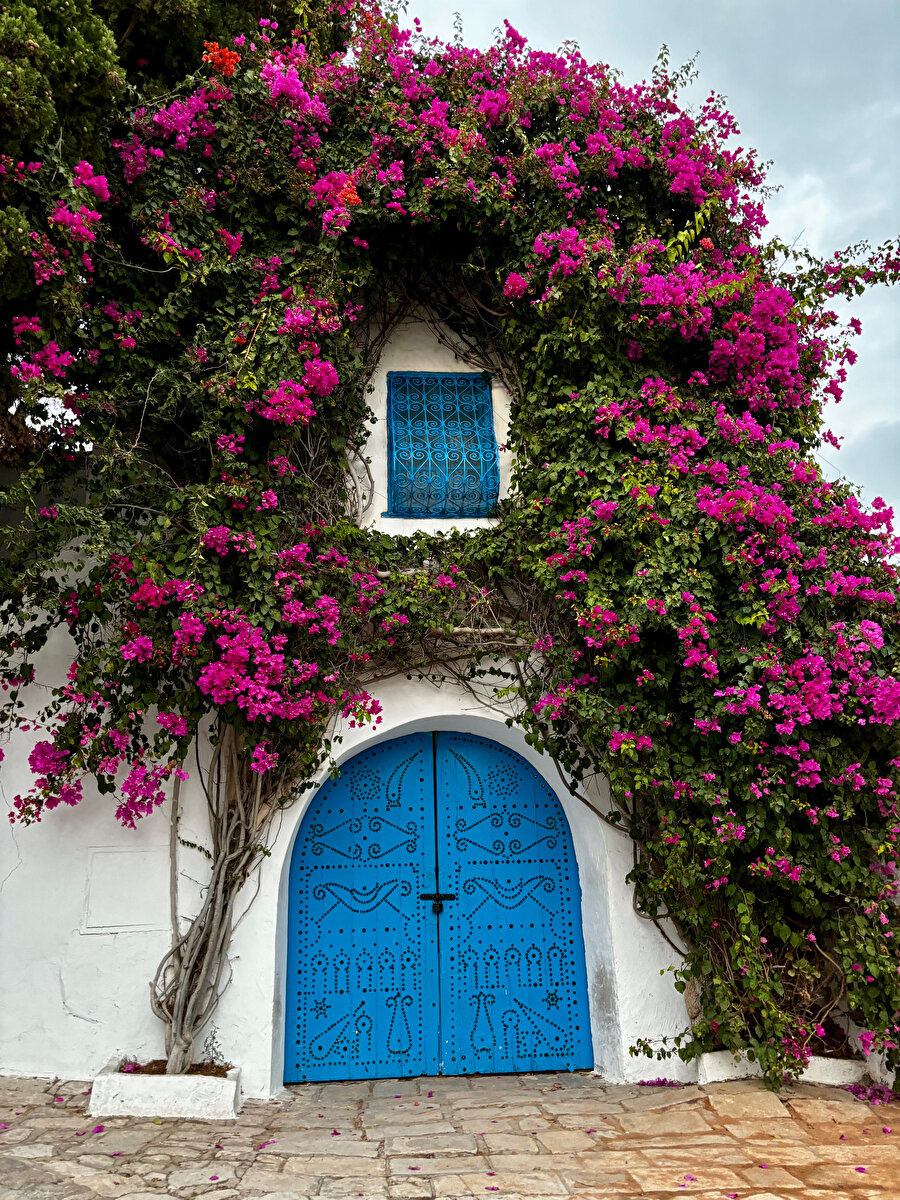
(158, 1067)
(835, 1043)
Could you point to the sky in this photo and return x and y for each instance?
(815, 87)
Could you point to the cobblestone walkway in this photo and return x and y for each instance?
(505, 1137)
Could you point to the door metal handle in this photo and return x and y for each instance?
(437, 899)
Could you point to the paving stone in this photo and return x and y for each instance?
(450, 1165)
(484, 1112)
(99, 1182)
(526, 1162)
(455, 1185)
(335, 1120)
(612, 1160)
(32, 1150)
(395, 1088)
(423, 1107)
(654, 1098)
(195, 1177)
(378, 1132)
(125, 1141)
(749, 1106)
(845, 1176)
(782, 1153)
(672, 1156)
(866, 1155)
(656, 1124)
(316, 1142)
(565, 1140)
(510, 1143)
(342, 1092)
(9, 1137)
(353, 1185)
(779, 1130)
(149, 1196)
(21, 1090)
(821, 1112)
(333, 1164)
(446, 1143)
(282, 1195)
(664, 1179)
(530, 1184)
(775, 1177)
(588, 1107)
(513, 1125)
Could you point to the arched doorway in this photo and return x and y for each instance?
(434, 919)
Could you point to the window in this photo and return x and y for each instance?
(442, 453)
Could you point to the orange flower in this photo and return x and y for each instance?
(348, 195)
(220, 58)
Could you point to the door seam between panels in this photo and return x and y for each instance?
(437, 888)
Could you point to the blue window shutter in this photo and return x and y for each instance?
(442, 453)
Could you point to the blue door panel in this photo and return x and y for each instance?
(382, 983)
(362, 991)
(513, 986)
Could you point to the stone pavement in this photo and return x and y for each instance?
(509, 1137)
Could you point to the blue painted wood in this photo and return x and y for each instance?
(513, 985)
(362, 974)
(381, 985)
(442, 452)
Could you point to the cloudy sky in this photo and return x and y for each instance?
(815, 86)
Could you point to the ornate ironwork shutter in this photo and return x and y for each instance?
(513, 984)
(362, 990)
(442, 453)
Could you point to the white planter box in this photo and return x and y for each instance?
(721, 1065)
(194, 1097)
(835, 1071)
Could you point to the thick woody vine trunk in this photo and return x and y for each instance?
(188, 982)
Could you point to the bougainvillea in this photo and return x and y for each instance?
(691, 609)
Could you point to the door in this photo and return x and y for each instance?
(435, 919)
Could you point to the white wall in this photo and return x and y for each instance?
(84, 904)
(84, 917)
(85, 920)
(413, 347)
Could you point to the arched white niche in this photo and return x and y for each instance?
(628, 963)
(413, 347)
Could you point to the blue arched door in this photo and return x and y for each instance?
(435, 919)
